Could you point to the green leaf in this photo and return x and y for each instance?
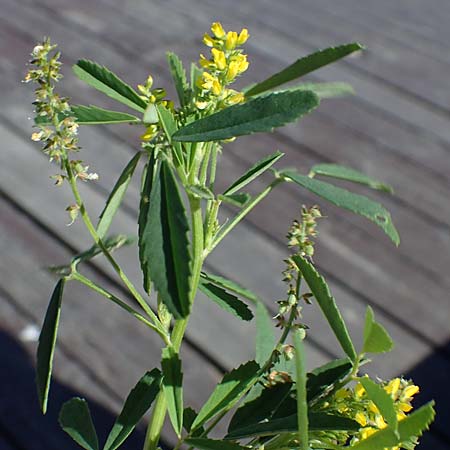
(259, 405)
(300, 387)
(164, 243)
(93, 115)
(173, 387)
(265, 337)
(47, 343)
(327, 304)
(345, 199)
(229, 286)
(239, 200)
(179, 77)
(408, 428)
(75, 419)
(201, 192)
(151, 171)
(136, 405)
(304, 66)
(226, 301)
(376, 338)
(116, 196)
(195, 73)
(210, 444)
(102, 79)
(170, 127)
(255, 171)
(345, 173)
(260, 114)
(325, 90)
(383, 401)
(228, 392)
(189, 415)
(317, 422)
(322, 379)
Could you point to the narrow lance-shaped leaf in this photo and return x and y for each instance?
(136, 405)
(409, 428)
(179, 77)
(327, 304)
(240, 199)
(255, 171)
(348, 174)
(46, 346)
(226, 301)
(300, 387)
(317, 422)
(173, 387)
(164, 244)
(211, 444)
(260, 114)
(102, 79)
(170, 127)
(75, 419)
(228, 392)
(304, 66)
(383, 401)
(116, 196)
(93, 115)
(345, 199)
(325, 90)
(376, 338)
(265, 338)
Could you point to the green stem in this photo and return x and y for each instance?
(302, 402)
(92, 230)
(156, 423)
(95, 287)
(244, 212)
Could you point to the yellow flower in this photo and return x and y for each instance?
(218, 30)
(211, 83)
(373, 408)
(380, 422)
(150, 133)
(219, 58)
(393, 386)
(235, 98)
(204, 62)
(411, 390)
(208, 40)
(242, 63)
(231, 40)
(361, 418)
(243, 36)
(405, 407)
(359, 390)
(366, 432)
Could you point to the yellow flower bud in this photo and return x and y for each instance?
(218, 30)
(150, 133)
(219, 58)
(231, 40)
(411, 390)
(233, 99)
(203, 61)
(243, 36)
(405, 407)
(393, 386)
(359, 390)
(233, 71)
(380, 422)
(361, 418)
(216, 87)
(208, 40)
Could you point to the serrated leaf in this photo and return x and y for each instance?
(93, 115)
(229, 286)
(210, 444)
(75, 419)
(170, 127)
(173, 387)
(151, 170)
(259, 114)
(317, 422)
(304, 66)
(239, 200)
(383, 401)
(228, 392)
(179, 77)
(345, 199)
(201, 192)
(327, 304)
(47, 343)
(105, 81)
(259, 405)
(226, 301)
(265, 337)
(376, 338)
(323, 379)
(410, 427)
(348, 174)
(116, 196)
(255, 171)
(164, 243)
(136, 405)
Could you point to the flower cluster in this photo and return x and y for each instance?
(355, 404)
(226, 63)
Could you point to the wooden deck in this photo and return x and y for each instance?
(396, 128)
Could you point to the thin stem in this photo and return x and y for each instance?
(204, 165)
(300, 384)
(92, 230)
(212, 170)
(156, 423)
(244, 212)
(95, 287)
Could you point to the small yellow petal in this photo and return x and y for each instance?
(243, 36)
(405, 407)
(411, 390)
(392, 387)
(233, 70)
(208, 40)
(361, 418)
(359, 390)
(216, 87)
(231, 40)
(218, 30)
(219, 58)
(380, 422)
